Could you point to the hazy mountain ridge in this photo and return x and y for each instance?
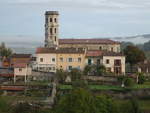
(28, 44)
(138, 39)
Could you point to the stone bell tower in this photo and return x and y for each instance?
(51, 29)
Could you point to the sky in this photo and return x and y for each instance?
(78, 18)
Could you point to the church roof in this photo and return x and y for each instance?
(87, 41)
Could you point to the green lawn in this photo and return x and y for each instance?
(105, 87)
(93, 87)
(108, 87)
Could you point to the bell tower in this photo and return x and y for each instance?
(51, 29)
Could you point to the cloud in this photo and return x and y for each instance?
(96, 4)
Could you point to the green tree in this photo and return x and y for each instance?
(96, 70)
(4, 51)
(61, 75)
(130, 106)
(141, 78)
(87, 70)
(133, 55)
(100, 70)
(146, 46)
(121, 80)
(80, 100)
(129, 82)
(76, 74)
(4, 106)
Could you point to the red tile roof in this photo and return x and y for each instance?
(20, 65)
(87, 41)
(97, 53)
(93, 53)
(21, 55)
(45, 50)
(60, 50)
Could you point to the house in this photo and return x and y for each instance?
(91, 44)
(114, 62)
(45, 60)
(21, 65)
(17, 58)
(50, 59)
(69, 58)
(22, 70)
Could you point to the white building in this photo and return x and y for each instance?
(45, 61)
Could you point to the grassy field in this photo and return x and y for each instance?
(108, 87)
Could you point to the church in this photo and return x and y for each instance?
(70, 53)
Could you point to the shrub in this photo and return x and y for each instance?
(141, 79)
(129, 82)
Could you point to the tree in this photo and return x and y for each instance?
(133, 55)
(121, 80)
(87, 70)
(96, 70)
(146, 46)
(80, 100)
(4, 51)
(61, 75)
(129, 82)
(130, 106)
(141, 78)
(100, 70)
(76, 74)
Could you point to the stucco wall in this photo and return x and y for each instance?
(65, 63)
(22, 71)
(111, 62)
(47, 61)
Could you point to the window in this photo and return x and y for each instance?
(69, 67)
(41, 59)
(53, 59)
(107, 61)
(89, 61)
(53, 68)
(51, 20)
(55, 19)
(34, 58)
(20, 69)
(51, 30)
(61, 59)
(112, 49)
(70, 60)
(79, 59)
(49, 68)
(55, 38)
(55, 30)
(117, 62)
(100, 48)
